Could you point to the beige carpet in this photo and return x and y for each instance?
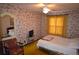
(31, 49)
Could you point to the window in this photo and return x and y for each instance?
(56, 24)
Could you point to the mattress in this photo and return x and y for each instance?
(60, 44)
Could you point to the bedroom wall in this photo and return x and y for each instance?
(44, 26)
(73, 25)
(5, 23)
(24, 21)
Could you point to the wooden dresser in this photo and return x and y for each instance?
(2, 51)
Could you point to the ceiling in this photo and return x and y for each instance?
(52, 6)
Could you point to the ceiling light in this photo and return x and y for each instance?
(45, 10)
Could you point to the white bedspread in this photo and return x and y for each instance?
(62, 45)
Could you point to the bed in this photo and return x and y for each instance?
(59, 44)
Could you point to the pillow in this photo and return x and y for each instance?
(48, 38)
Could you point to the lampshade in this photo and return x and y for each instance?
(45, 10)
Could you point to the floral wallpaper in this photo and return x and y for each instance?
(73, 25)
(24, 21)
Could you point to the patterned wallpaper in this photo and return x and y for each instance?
(73, 25)
(24, 21)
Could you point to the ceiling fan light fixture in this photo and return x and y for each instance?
(45, 10)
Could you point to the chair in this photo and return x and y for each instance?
(12, 48)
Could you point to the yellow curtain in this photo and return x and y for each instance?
(56, 24)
